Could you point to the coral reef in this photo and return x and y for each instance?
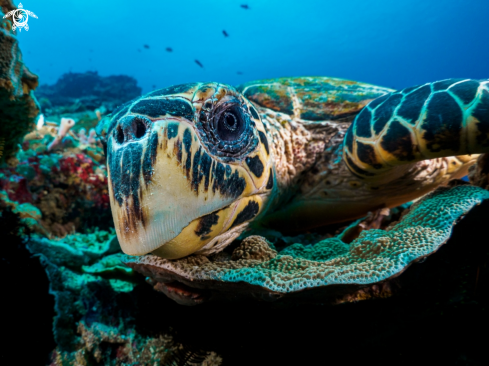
(18, 106)
(80, 92)
(96, 308)
(63, 175)
(344, 272)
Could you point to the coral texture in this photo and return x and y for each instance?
(374, 257)
(96, 309)
(67, 184)
(18, 106)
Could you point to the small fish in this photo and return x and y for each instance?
(169, 49)
(139, 50)
(244, 6)
(198, 63)
(225, 33)
(239, 73)
(145, 46)
(154, 86)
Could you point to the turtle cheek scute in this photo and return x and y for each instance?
(255, 165)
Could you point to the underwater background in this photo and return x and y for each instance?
(67, 298)
(396, 44)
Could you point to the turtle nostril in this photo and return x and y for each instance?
(131, 128)
(119, 135)
(140, 128)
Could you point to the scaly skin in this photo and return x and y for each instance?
(180, 185)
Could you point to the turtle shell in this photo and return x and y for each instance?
(314, 98)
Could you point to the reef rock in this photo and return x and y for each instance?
(18, 106)
(79, 92)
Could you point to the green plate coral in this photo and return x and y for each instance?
(345, 271)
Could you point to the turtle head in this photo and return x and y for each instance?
(189, 168)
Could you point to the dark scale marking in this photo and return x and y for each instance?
(356, 169)
(228, 187)
(366, 154)
(481, 112)
(172, 130)
(349, 139)
(177, 150)
(270, 180)
(374, 103)
(150, 158)
(175, 89)
(398, 142)
(264, 141)
(384, 112)
(466, 91)
(187, 143)
(218, 175)
(413, 103)
(362, 123)
(254, 113)
(250, 211)
(255, 165)
(228, 171)
(443, 123)
(444, 84)
(205, 225)
(196, 174)
(205, 168)
(125, 171)
(161, 107)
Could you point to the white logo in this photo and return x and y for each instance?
(20, 17)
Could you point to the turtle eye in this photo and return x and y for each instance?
(227, 129)
(230, 125)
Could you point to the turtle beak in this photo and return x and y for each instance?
(167, 193)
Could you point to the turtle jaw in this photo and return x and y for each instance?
(214, 230)
(168, 194)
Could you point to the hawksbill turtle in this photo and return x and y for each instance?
(192, 166)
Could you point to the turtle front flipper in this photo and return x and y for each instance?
(440, 119)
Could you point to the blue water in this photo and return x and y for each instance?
(394, 43)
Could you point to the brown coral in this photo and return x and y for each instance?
(254, 247)
(18, 106)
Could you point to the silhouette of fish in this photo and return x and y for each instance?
(239, 73)
(198, 63)
(145, 46)
(169, 49)
(244, 6)
(225, 33)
